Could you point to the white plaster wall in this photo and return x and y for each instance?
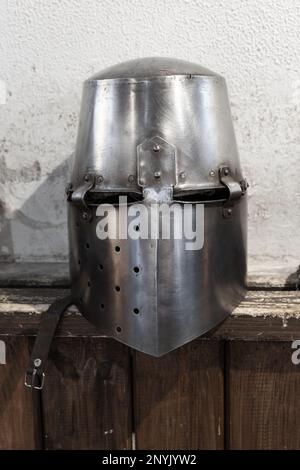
(47, 48)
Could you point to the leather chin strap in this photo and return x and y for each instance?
(35, 374)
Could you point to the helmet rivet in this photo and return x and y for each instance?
(99, 179)
(156, 148)
(229, 211)
(131, 178)
(212, 173)
(87, 178)
(85, 215)
(157, 174)
(226, 171)
(182, 175)
(37, 362)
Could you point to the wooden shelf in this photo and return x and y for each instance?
(263, 315)
(235, 387)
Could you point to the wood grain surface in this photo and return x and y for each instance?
(18, 429)
(178, 399)
(87, 395)
(263, 396)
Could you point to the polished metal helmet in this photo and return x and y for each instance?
(156, 132)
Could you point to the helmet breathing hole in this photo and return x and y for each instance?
(87, 245)
(100, 267)
(89, 283)
(118, 329)
(136, 311)
(118, 288)
(136, 269)
(102, 306)
(117, 249)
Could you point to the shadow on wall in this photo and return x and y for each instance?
(37, 230)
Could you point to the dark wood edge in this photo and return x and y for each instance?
(56, 274)
(263, 315)
(233, 328)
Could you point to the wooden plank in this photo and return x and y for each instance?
(34, 274)
(276, 279)
(179, 398)
(284, 304)
(263, 315)
(17, 426)
(263, 389)
(256, 303)
(257, 329)
(87, 395)
(39, 274)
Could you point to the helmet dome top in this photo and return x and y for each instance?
(151, 67)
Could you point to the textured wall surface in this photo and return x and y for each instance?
(48, 48)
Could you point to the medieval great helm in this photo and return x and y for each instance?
(156, 131)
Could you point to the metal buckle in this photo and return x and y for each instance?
(33, 378)
(78, 195)
(234, 187)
